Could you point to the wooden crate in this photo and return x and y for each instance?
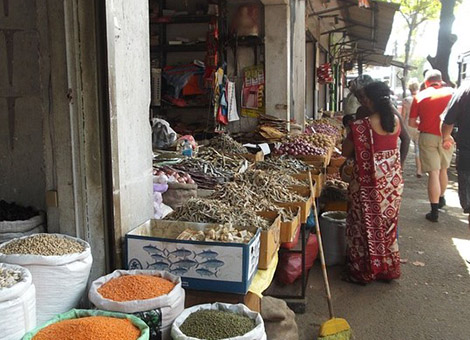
(305, 206)
(269, 242)
(289, 228)
(317, 177)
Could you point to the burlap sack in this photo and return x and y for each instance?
(279, 320)
(178, 193)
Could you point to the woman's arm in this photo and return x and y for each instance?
(348, 148)
(405, 140)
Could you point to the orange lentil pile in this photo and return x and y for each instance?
(90, 328)
(135, 287)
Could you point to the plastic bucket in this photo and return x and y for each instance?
(333, 231)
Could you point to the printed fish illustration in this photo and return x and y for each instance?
(153, 250)
(179, 271)
(159, 257)
(158, 265)
(181, 252)
(212, 263)
(205, 272)
(207, 254)
(186, 263)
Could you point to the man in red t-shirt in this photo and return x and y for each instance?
(426, 108)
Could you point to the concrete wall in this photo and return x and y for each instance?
(310, 80)
(22, 169)
(298, 63)
(129, 81)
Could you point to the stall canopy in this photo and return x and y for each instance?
(361, 32)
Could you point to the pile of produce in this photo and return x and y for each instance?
(325, 126)
(210, 211)
(44, 245)
(225, 233)
(286, 164)
(227, 144)
(318, 140)
(14, 212)
(298, 147)
(215, 325)
(335, 190)
(165, 175)
(135, 287)
(92, 327)
(9, 277)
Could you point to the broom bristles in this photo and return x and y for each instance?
(335, 327)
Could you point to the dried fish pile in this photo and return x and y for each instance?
(44, 245)
(9, 277)
(241, 195)
(204, 173)
(288, 165)
(223, 233)
(273, 187)
(220, 160)
(227, 144)
(210, 211)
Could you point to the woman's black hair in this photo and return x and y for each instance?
(379, 93)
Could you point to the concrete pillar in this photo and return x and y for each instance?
(129, 92)
(298, 63)
(277, 50)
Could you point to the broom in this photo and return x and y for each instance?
(335, 328)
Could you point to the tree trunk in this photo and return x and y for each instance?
(411, 27)
(445, 40)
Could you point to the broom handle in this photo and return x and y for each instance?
(322, 256)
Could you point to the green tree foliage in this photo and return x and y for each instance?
(415, 13)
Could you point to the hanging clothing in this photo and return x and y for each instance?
(375, 193)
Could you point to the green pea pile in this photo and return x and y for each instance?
(216, 325)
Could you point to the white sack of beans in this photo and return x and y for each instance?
(17, 302)
(59, 265)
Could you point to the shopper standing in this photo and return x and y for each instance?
(427, 107)
(413, 86)
(458, 113)
(375, 190)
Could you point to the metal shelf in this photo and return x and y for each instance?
(198, 47)
(182, 19)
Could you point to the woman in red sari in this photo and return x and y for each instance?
(375, 190)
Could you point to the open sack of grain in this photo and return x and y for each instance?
(59, 265)
(17, 302)
(218, 321)
(82, 324)
(154, 296)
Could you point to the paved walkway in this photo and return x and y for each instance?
(430, 301)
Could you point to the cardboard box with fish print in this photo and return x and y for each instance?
(213, 266)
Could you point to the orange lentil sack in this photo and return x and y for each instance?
(90, 328)
(135, 287)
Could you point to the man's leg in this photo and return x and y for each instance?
(434, 192)
(443, 181)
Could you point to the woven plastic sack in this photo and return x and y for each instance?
(257, 333)
(159, 313)
(5, 237)
(81, 313)
(178, 194)
(60, 280)
(17, 306)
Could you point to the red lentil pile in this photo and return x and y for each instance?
(90, 328)
(135, 287)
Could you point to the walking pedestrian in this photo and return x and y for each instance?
(427, 107)
(375, 190)
(458, 114)
(413, 86)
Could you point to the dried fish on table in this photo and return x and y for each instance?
(204, 173)
(227, 144)
(203, 210)
(232, 163)
(273, 188)
(283, 163)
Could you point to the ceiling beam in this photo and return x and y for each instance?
(329, 10)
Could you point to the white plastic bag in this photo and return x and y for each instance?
(17, 306)
(22, 226)
(5, 237)
(60, 280)
(168, 306)
(257, 333)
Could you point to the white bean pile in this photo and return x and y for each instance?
(44, 245)
(9, 277)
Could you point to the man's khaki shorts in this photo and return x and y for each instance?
(433, 156)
